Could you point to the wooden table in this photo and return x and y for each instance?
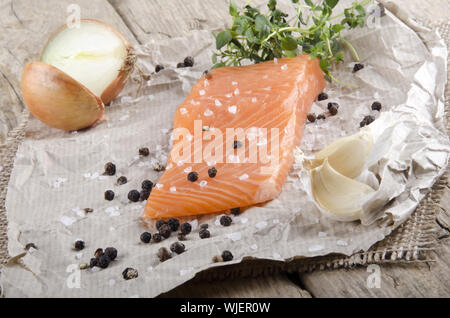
(24, 26)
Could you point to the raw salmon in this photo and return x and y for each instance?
(269, 102)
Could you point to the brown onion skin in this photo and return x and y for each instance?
(118, 84)
(57, 99)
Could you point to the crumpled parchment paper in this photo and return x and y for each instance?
(57, 174)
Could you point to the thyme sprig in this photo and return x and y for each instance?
(259, 37)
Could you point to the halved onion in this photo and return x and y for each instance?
(80, 69)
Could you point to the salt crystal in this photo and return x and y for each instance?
(284, 67)
(67, 220)
(79, 211)
(194, 224)
(275, 61)
(79, 255)
(254, 247)
(232, 109)
(234, 83)
(206, 83)
(244, 220)
(183, 111)
(203, 183)
(170, 165)
(243, 177)
(236, 236)
(254, 99)
(217, 102)
(179, 163)
(173, 189)
(124, 117)
(261, 225)
(208, 112)
(341, 243)
(229, 95)
(236, 91)
(266, 76)
(95, 269)
(188, 169)
(159, 185)
(113, 211)
(315, 248)
(202, 92)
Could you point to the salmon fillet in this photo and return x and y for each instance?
(269, 102)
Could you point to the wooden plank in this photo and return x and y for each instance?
(24, 28)
(265, 287)
(403, 280)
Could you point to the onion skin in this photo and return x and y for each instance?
(57, 99)
(118, 84)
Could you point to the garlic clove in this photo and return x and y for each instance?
(346, 155)
(57, 99)
(337, 195)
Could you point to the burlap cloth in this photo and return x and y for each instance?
(410, 242)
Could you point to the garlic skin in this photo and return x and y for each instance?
(336, 194)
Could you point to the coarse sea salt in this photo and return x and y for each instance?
(236, 236)
(159, 185)
(232, 109)
(208, 112)
(186, 271)
(322, 234)
(217, 102)
(183, 111)
(254, 247)
(113, 211)
(229, 95)
(284, 67)
(202, 92)
(173, 189)
(203, 183)
(234, 83)
(188, 169)
(243, 177)
(67, 220)
(316, 248)
(342, 243)
(261, 225)
(254, 100)
(236, 91)
(124, 117)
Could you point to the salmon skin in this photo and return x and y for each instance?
(265, 106)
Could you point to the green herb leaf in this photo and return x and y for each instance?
(223, 38)
(233, 9)
(288, 43)
(331, 3)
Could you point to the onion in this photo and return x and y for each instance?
(80, 70)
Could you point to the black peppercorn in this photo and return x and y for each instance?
(157, 238)
(103, 262)
(174, 224)
(376, 106)
(93, 262)
(225, 220)
(110, 169)
(88, 210)
(357, 67)
(212, 172)
(111, 252)
(165, 230)
(186, 228)
(134, 195)
(235, 211)
(129, 273)
(78, 245)
(311, 117)
(164, 254)
(144, 151)
(204, 226)
(30, 245)
(192, 176)
(227, 256)
(158, 68)
(181, 236)
(204, 234)
(330, 105)
(189, 61)
(322, 96)
(144, 194)
(366, 121)
(177, 247)
(181, 65)
(159, 223)
(122, 180)
(146, 237)
(321, 116)
(237, 144)
(333, 110)
(109, 195)
(147, 185)
(207, 74)
(98, 253)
